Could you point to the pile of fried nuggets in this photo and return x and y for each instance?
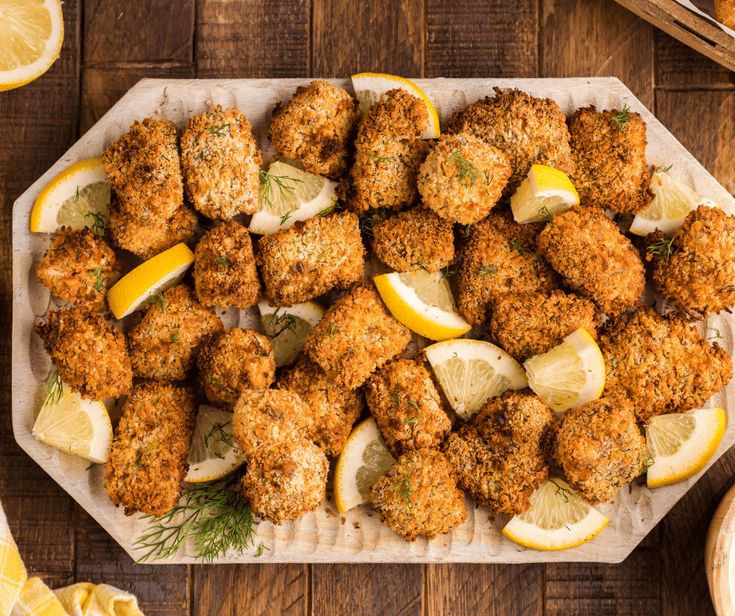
(528, 286)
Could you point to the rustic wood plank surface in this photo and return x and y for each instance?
(110, 44)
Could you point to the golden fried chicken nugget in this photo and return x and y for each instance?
(233, 361)
(89, 353)
(594, 258)
(500, 457)
(316, 127)
(407, 407)
(165, 344)
(148, 457)
(418, 496)
(225, 274)
(600, 448)
(530, 130)
(311, 258)
(462, 178)
(356, 336)
(221, 163)
(661, 364)
(609, 151)
(144, 169)
(79, 267)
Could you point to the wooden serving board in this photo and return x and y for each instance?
(323, 535)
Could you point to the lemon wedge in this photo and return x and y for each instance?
(423, 302)
(471, 372)
(545, 192)
(369, 87)
(681, 444)
(558, 519)
(213, 453)
(31, 32)
(569, 375)
(363, 461)
(158, 273)
(288, 327)
(78, 197)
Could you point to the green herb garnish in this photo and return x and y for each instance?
(219, 130)
(488, 270)
(661, 248)
(269, 183)
(467, 171)
(621, 119)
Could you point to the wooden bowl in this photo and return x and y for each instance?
(719, 556)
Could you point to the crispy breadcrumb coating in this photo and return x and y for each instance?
(233, 361)
(356, 336)
(145, 170)
(221, 163)
(89, 353)
(594, 258)
(600, 448)
(148, 457)
(462, 178)
(526, 324)
(316, 127)
(224, 267)
(311, 258)
(165, 344)
(530, 130)
(407, 407)
(609, 151)
(79, 267)
(333, 409)
(418, 496)
(500, 457)
(661, 364)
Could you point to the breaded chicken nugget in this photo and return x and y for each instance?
(407, 407)
(530, 130)
(224, 267)
(462, 178)
(696, 269)
(316, 127)
(89, 353)
(285, 480)
(418, 496)
(356, 336)
(498, 259)
(333, 409)
(594, 258)
(79, 267)
(661, 364)
(145, 170)
(500, 457)
(414, 239)
(233, 361)
(527, 324)
(165, 344)
(221, 163)
(311, 258)
(600, 448)
(388, 152)
(148, 457)
(609, 151)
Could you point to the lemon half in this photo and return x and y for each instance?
(545, 192)
(213, 453)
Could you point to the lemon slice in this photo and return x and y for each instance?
(681, 444)
(158, 273)
(569, 375)
(672, 201)
(363, 461)
(369, 87)
(74, 425)
(471, 372)
(288, 327)
(288, 194)
(78, 197)
(558, 519)
(213, 453)
(31, 32)
(423, 302)
(544, 193)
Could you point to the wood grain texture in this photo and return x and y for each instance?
(681, 68)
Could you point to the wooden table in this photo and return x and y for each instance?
(111, 44)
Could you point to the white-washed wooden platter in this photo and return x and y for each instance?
(324, 536)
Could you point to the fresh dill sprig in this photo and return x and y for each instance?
(561, 490)
(488, 270)
(335, 206)
(466, 231)
(369, 221)
(218, 434)
(284, 218)
(661, 248)
(518, 247)
(219, 130)
(217, 381)
(55, 388)
(545, 212)
(269, 183)
(404, 485)
(397, 395)
(160, 299)
(467, 171)
(99, 281)
(279, 323)
(176, 336)
(621, 119)
(448, 272)
(332, 330)
(378, 159)
(648, 463)
(717, 335)
(223, 261)
(99, 222)
(260, 550)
